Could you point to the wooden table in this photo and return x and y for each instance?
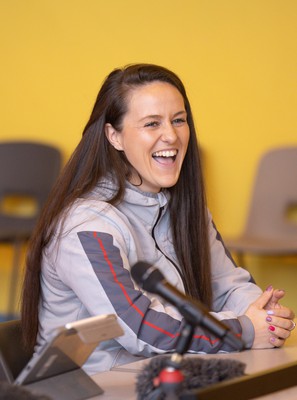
(119, 383)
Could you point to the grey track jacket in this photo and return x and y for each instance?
(85, 272)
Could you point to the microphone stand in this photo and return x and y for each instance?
(171, 378)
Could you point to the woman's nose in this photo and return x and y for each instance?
(168, 133)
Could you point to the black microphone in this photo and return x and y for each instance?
(195, 313)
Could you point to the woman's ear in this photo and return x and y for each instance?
(113, 136)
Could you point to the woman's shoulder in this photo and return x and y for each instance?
(96, 203)
(90, 210)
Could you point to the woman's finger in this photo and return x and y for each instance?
(280, 333)
(276, 341)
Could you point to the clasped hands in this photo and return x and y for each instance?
(272, 321)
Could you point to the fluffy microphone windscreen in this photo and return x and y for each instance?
(198, 373)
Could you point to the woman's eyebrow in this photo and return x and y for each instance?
(182, 112)
(150, 116)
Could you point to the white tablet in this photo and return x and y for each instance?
(69, 348)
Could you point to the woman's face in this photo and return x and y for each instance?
(154, 135)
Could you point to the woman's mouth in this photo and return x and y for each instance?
(165, 156)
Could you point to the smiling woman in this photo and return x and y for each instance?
(154, 135)
(132, 191)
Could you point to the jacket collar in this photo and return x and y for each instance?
(144, 205)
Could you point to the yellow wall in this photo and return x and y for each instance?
(238, 60)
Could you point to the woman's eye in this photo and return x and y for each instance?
(152, 124)
(178, 121)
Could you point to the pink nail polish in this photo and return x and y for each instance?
(273, 339)
(268, 319)
(271, 328)
(269, 288)
(270, 312)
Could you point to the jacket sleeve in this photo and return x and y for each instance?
(234, 288)
(96, 267)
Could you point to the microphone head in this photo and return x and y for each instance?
(146, 275)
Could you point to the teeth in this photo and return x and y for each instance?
(168, 153)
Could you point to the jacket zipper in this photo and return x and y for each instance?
(153, 236)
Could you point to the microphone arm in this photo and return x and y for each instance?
(195, 313)
(184, 340)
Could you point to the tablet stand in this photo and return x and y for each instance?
(73, 385)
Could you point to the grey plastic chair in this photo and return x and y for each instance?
(269, 228)
(28, 170)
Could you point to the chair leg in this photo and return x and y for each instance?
(14, 277)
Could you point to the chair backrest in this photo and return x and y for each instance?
(13, 352)
(27, 169)
(274, 194)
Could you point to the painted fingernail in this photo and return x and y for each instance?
(272, 339)
(269, 288)
(270, 312)
(271, 328)
(268, 319)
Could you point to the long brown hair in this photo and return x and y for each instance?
(93, 159)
